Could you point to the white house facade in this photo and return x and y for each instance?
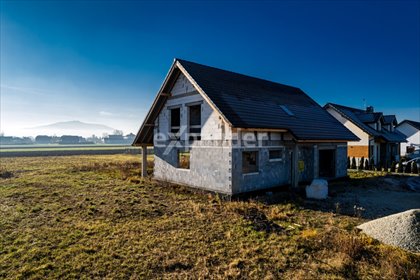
(411, 129)
(379, 140)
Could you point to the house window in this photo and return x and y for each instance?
(195, 122)
(249, 162)
(275, 154)
(409, 149)
(183, 159)
(175, 123)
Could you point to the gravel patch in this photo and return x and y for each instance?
(401, 229)
(377, 197)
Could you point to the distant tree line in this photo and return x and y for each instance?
(12, 140)
(116, 138)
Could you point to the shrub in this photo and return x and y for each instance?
(372, 164)
(353, 163)
(348, 162)
(367, 164)
(407, 168)
(393, 166)
(385, 166)
(4, 174)
(361, 163)
(400, 166)
(414, 168)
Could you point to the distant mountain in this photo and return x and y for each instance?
(72, 128)
(75, 125)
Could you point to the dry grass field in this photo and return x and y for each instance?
(84, 217)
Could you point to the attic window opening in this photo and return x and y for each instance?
(175, 123)
(194, 122)
(286, 110)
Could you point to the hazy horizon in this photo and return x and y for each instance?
(104, 63)
(73, 127)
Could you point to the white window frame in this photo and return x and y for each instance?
(281, 158)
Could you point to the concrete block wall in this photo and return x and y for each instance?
(183, 94)
(271, 173)
(182, 86)
(210, 167)
(341, 161)
(306, 154)
(217, 166)
(211, 124)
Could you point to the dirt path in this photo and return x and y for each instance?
(372, 198)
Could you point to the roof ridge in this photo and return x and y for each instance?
(249, 102)
(236, 73)
(346, 107)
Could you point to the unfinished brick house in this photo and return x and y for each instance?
(221, 131)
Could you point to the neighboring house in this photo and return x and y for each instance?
(129, 138)
(43, 139)
(114, 139)
(69, 139)
(379, 141)
(7, 140)
(11, 140)
(411, 130)
(230, 133)
(119, 139)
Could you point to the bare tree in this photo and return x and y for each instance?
(118, 132)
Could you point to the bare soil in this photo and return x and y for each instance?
(371, 196)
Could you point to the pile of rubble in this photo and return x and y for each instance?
(402, 230)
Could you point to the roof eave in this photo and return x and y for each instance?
(159, 94)
(202, 92)
(348, 118)
(324, 141)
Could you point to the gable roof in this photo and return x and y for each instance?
(251, 103)
(368, 117)
(390, 119)
(362, 119)
(412, 123)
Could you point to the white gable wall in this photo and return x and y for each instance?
(182, 86)
(184, 93)
(364, 137)
(413, 136)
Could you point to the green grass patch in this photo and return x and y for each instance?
(95, 217)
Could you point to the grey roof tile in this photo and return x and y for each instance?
(412, 123)
(249, 102)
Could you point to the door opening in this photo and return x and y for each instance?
(327, 163)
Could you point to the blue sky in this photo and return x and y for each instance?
(103, 61)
